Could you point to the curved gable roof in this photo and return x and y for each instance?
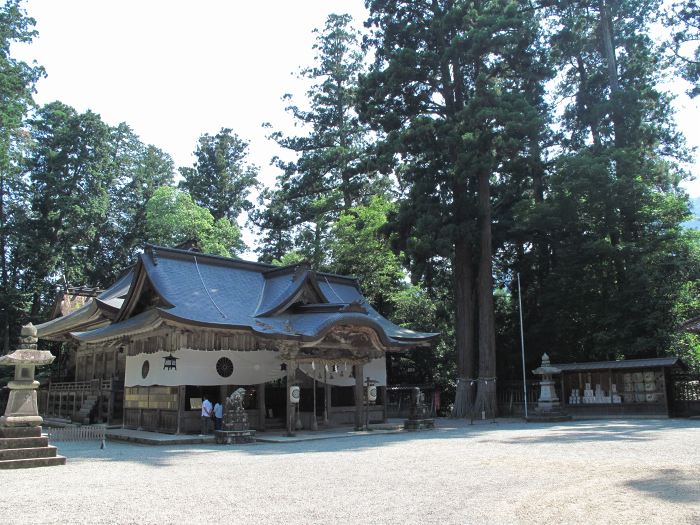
(96, 312)
(205, 290)
(280, 292)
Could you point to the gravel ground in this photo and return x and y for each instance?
(592, 472)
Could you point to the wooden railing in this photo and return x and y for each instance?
(78, 386)
(64, 399)
(81, 433)
(510, 397)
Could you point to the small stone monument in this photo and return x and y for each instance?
(235, 424)
(21, 443)
(548, 406)
(419, 417)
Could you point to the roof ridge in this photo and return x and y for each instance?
(226, 261)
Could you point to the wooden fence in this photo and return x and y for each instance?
(81, 433)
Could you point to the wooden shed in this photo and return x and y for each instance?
(625, 388)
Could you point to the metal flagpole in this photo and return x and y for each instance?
(522, 345)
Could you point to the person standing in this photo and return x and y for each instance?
(206, 415)
(218, 415)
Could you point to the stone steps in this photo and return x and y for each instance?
(20, 432)
(25, 447)
(86, 409)
(23, 442)
(26, 453)
(32, 462)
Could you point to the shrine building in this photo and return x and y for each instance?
(181, 324)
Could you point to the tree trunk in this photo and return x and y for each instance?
(486, 389)
(464, 327)
(620, 142)
(5, 277)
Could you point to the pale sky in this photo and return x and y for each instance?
(175, 69)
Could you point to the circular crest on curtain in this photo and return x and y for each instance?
(224, 367)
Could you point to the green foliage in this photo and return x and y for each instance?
(456, 90)
(69, 164)
(172, 217)
(289, 258)
(603, 256)
(581, 197)
(358, 248)
(221, 178)
(684, 20)
(330, 172)
(74, 208)
(17, 80)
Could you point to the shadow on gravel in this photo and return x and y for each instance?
(508, 433)
(596, 431)
(671, 485)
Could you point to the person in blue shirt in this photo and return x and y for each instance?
(218, 415)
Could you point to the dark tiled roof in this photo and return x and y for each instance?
(229, 293)
(95, 312)
(655, 362)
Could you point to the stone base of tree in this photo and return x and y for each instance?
(234, 437)
(419, 424)
(547, 417)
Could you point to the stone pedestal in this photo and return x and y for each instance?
(419, 417)
(21, 442)
(548, 406)
(235, 425)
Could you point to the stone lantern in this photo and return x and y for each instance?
(22, 409)
(548, 405)
(21, 442)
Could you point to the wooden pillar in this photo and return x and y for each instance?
(359, 397)
(262, 409)
(180, 408)
(290, 405)
(94, 362)
(124, 408)
(327, 405)
(666, 390)
(48, 399)
(563, 393)
(111, 402)
(382, 393)
(314, 419)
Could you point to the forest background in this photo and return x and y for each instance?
(440, 151)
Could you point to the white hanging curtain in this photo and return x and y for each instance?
(338, 374)
(199, 367)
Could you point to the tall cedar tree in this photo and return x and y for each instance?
(70, 168)
(17, 80)
(447, 89)
(614, 209)
(329, 173)
(221, 178)
(87, 188)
